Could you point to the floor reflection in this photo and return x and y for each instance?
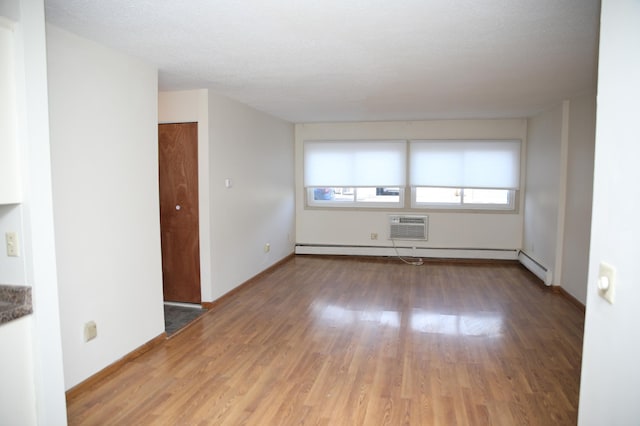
(335, 315)
(484, 324)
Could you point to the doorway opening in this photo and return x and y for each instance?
(179, 315)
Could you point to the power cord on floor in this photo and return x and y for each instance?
(408, 262)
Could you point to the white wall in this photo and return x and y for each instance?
(255, 151)
(542, 191)
(103, 108)
(193, 106)
(577, 224)
(9, 161)
(37, 368)
(557, 216)
(446, 229)
(12, 269)
(610, 377)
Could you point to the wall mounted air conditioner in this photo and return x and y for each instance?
(408, 227)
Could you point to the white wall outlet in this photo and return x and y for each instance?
(606, 282)
(90, 331)
(374, 235)
(267, 248)
(12, 244)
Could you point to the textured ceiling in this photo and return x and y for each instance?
(357, 60)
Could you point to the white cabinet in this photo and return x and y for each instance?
(9, 160)
(17, 385)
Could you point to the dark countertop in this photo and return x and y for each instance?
(15, 302)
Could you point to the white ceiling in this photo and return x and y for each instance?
(357, 60)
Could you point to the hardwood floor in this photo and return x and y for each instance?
(344, 341)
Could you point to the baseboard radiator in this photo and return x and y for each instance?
(407, 251)
(536, 268)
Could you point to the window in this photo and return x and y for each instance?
(476, 174)
(361, 173)
(356, 197)
(463, 198)
(452, 174)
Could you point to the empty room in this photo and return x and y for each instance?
(339, 213)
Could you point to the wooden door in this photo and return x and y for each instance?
(178, 176)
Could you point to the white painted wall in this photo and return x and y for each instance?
(577, 228)
(610, 377)
(10, 188)
(12, 269)
(557, 216)
(104, 118)
(10, 9)
(446, 229)
(35, 369)
(542, 191)
(255, 151)
(17, 396)
(193, 106)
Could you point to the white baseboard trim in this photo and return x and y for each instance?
(536, 268)
(440, 253)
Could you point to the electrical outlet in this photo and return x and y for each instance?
(90, 331)
(12, 244)
(374, 235)
(267, 248)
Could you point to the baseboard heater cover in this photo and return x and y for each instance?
(426, 252)
(536, 268)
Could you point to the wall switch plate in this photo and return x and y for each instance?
(90, 331)
(606, 282)
(12, 244)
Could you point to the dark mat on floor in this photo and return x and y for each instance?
(176, 317)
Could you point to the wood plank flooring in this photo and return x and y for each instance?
(352, 341)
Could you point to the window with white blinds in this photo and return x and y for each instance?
(362, 163)
(490, 164)
(362, 173)
(454, 174)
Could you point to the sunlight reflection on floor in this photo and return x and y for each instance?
(484, 324)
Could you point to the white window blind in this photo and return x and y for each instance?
(465, 163)
(373, 163)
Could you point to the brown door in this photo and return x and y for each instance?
(178, 164)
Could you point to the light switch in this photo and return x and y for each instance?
(12, 244)
(606, 282)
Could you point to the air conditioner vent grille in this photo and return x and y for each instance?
(408, 227)
(411, 219)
